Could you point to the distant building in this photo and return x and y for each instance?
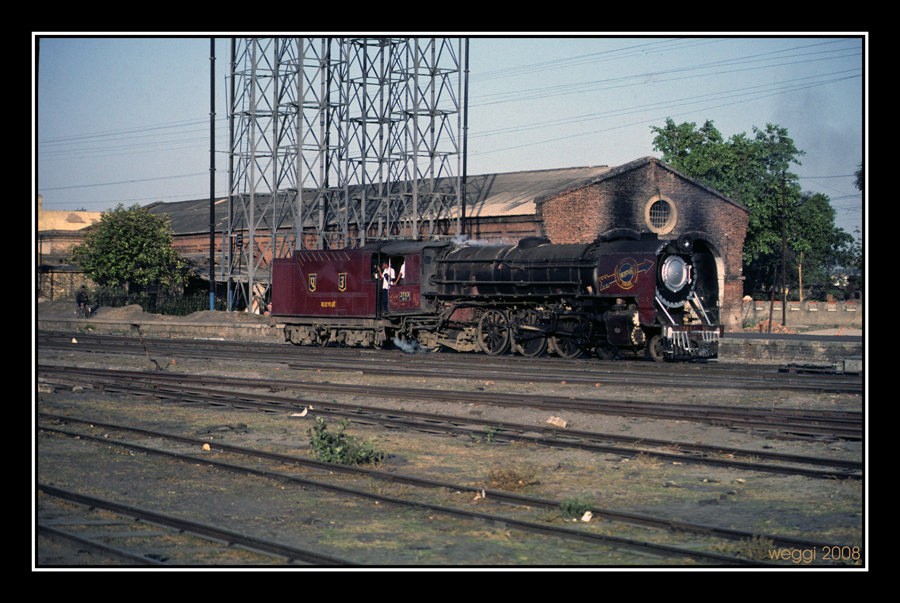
(58, 229)
(57, 232)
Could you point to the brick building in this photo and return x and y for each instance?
(566, 205)
(648, 196)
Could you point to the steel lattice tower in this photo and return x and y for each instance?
(337, 141)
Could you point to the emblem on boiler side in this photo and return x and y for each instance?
(625, 275)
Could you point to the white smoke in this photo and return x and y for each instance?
(410, 347)
(463, 241)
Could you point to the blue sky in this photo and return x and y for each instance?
(126, 120)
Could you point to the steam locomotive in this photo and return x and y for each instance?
(613, 297)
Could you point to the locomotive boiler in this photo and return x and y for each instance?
(624, 296)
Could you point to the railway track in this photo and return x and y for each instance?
(564, 533)
(798, 423)
(456, 366)
(240, 393)
(169, 539)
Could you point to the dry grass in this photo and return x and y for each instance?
(511, 478)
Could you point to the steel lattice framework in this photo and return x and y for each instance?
(338, 141)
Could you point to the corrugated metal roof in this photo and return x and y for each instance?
(191, 216)
(515, 193)
(488, 195)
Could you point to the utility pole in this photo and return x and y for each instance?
(783, 254)
(212, 173)
(465, 150)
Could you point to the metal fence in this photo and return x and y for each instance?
(156, 302)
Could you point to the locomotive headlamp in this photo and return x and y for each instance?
(675, 273)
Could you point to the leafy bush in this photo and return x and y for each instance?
(339, 447)
(574, 507)
(132, 249)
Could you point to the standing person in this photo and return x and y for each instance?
(83, 301)
(387, 277)
(402, 274)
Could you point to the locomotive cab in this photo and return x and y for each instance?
(403, 291)
(409, 262)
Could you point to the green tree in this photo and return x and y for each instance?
(697, 152)
(755, 171)
(817, 250)
(752, 171)
(131, 249)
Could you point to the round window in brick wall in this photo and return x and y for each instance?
(660, 214)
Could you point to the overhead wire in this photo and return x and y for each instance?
(158, 137)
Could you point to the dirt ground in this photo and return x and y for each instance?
(825, 510)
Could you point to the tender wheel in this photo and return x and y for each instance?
(322, 337)
(528, 340)
(493, 333)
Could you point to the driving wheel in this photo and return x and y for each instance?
(529, 339)
(569, 342)
(493, 332)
